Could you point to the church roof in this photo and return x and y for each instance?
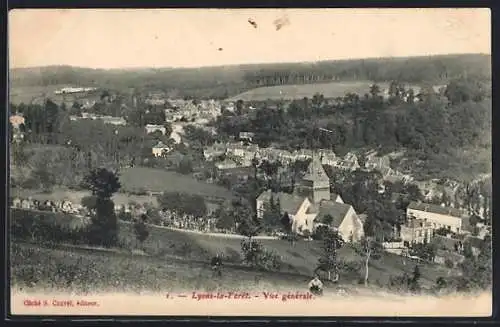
(316, 172)
(335, 209)
(289, 203)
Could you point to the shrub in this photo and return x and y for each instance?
(255, 255)
(449, 263)
(320, 232)
(141, 230)
(125, 216)
(40, 226)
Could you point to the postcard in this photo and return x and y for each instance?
(250, 162)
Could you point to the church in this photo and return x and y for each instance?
(312, 205)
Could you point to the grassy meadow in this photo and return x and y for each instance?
(150, 179)
(291, 92)
(27, 94)
(175, 257)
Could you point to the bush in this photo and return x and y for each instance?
(124, 216)
(255, 255)
(320, 232)
(449, 263)
(40, 226)
(141, 230)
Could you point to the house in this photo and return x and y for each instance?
(439, 216)
(329, 158)
(349, 162)
(377, 163)
(155, 101)
(16, 120)
(214, 151)
(150, 128)
(313, 205)
(69, 90)
(117, 121)
(246, 136)
(159, 149)
(416, 231)
(226, 164)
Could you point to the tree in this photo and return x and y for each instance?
(287, 224)
(141, 230)
(328, 219)
(414, 284)
(185, 166)
(272, 213)
(225, 220)
(478, 270)
(247, 227)
(102, 183)
(183, 203)
(104, 228)
(328, 260)
(239, 107)
(369, 249)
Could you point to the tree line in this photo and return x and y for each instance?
(223, 82)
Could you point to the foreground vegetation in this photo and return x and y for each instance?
(165, 245)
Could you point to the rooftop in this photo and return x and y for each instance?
(433, 208)
(416, 223)
(160, 145)
(335, 209)
(289, 203)
(316, 172)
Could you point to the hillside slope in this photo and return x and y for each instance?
(300, 260)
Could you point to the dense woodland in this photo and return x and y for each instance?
(221, 82)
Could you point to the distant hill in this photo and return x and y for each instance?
(227, 81)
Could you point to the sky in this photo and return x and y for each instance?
(111, 38)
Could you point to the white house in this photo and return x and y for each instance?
(150, 128)
(159, 149)
(438, 216)
(226, 164)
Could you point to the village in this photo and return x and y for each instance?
(313, 203)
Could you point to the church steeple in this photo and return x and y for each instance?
(315, 184)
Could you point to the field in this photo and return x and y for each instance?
(165, 247)
(137, 179)
(27, 94)
(149, 179)
(290, 92)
